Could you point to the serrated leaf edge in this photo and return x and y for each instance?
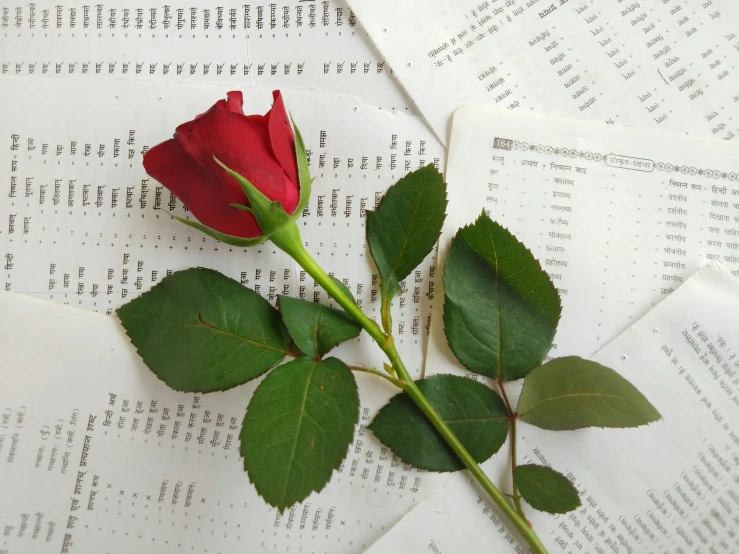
(390, 289)
(333, 469)
(577, 492)
(481, 218)
(145, 358)
(521, 414)
(462, 467)
(322, 308)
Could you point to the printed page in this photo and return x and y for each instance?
(98, 455)
(671, 487)
(85, 226)
(618, 217)
(668, 64)
(269, 44)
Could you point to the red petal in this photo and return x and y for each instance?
(282, 138)
(261, 120)
(234, 103)
(169, 164)
(242, 145)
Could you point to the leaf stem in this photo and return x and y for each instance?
(288, 239)
(397, 382)
(516, 495)
(513, 417)
(387, 319)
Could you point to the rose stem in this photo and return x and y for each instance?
(513, 417)
(288, 239)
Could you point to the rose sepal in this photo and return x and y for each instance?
(223, 237)
(270, 215)
(303, 172)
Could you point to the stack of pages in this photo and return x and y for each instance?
(590, 131)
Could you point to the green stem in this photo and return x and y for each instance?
(387, 319)
(474, 468)
(513, 417)
(397, 382)
(516, 495)
(288, 239)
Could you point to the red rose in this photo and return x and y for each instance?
(261, 148)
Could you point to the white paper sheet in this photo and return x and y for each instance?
(666, 64)
(97, 455)
(618, 217)
(83, 225)
(670, 487)
(285, 44)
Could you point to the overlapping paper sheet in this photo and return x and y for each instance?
(618, 217)
(85, 226)
(87, 89)
(83, 223)
(237, 44)
(98, 455)
(668, 64)
(671, 486)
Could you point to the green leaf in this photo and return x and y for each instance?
(500, 308)
(200, 331)
(315, 328)
(572, 393)
(406, 226)
(303, 172)
(475, 413)
(344, 288)
(223, 237)
(298, 428)
(546, 489)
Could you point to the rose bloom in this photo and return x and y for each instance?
(261, 148)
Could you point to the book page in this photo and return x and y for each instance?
(668, 64)
(618, 217)
(669, 487)
(285, 44)
(84, 225)
(98, 455)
